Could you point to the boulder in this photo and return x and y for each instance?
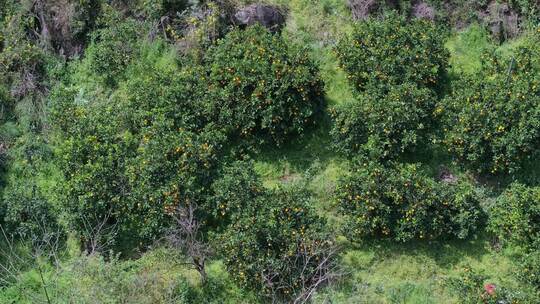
(446, 176)
(268, 16)
(423, 10)
(362, 9)
(502, 20)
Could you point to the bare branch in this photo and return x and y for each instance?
(186, 237)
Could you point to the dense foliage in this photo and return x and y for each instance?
(515, 220)
(396, 67)
(112, 48)
(515, 217)
(402, 203)
(276, 245)
(493, 124)
(166, 152)
(132, 169)
(25, 209)
(385, 125)
(383, 53)
(262, 85)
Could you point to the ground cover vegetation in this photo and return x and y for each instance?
(231, 151)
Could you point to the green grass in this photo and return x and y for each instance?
(466, 48)
(385, 272)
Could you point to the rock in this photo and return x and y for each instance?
(502, 20)
(268, 16)
(362, 9)
(446, 176)
(423, 10)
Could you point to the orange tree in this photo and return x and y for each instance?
(128, 159)
(262, 85)
(515, 220)
(396, 68)
(277, 246)
(402, 203)
(385, 125)
(237, 187)
(492, 121)
(392, 51)
(112, 47)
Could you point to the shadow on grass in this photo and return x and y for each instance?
(300, 153)
(445, 254)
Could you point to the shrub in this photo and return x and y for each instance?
(473, 287)
(493, 118)
(396, 68)
(528, 269)
(515, 220)
(129, 182)
(385, 124)
(277, 246)
(92, 155)
(22, 62)
(262, 85)
(402, 203)
(173, 167)
(130, 159)
(29, 212)
(393, 51)
(112, 48)
(515, 217)
(237, 188)
(158, 86)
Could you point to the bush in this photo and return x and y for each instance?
(262, 85)
(130, 182)
(130, 159)
(93, 155)
(528, 269)
(22, 62)
(172, 168)
(393, 51)
(515, 217)
(159, 86)
(29, 211)
(402, 203)
(396, 67)
(385, 125)
(515, 220)
(277, 246)
(237, 188)
(493, 118)
(472, 287)
(112, 48)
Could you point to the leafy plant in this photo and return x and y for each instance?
(492, 119)
(28, 208)
(278, 247)
(515, 217)
(402, 203)
(112, 48)
(385, 125)
(262, 85)
(396, 67)
(515, 220)
(383, 53)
